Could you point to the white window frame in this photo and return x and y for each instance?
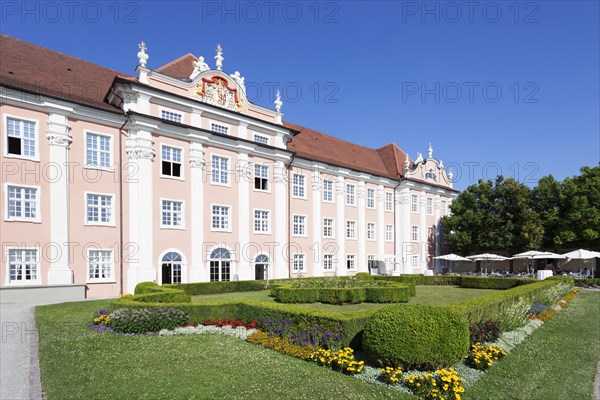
(298, 262)
(38, 278)
(350, 194)
(351, 262)
(371, 198)
(351, 227)
(227, 170)
(219, 125)
(414, 262)
(329, 192)
(300, 187)
(300, 225)
(261, 139)
(414, 233)
(38, 214)
(371, 265)
(371, 233)
(328, 260)
(268, 180)
(181, 168)
(228, 220)
(331, 228)
(112, 221)
(268, 221)
(389, 233)
(429, 205)
(389, 201)
(111, 163)
(111, 263)
(414, 203)
(37, 138)
(162, 225)
(173, 112)
(443, 207)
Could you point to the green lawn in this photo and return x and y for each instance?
(78, 363)
(425, 295)
(559, 361)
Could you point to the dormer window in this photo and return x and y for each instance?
(431, 175)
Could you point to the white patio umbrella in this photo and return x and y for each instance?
(487, 257)
(538, 255)
(583, 254)
(451, 257)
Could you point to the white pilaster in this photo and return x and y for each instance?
(362, 228)
(317, 259)
(280, 264)
(196, 119)
(423, 230)
(140, 155)
(437, 213)
(243, 168)
(380, 222)
(341, 227)
(59, 140)
(198, 271)
(404, 247)
(243, 130)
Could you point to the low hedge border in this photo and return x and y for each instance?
(587, 282)
(481, 282)
(218, 287)
(399, 293)
(422, 279)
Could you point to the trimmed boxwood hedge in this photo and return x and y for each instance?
(480, 282)
(351, 295)
(295, 295)
(416, 336)
(587, 282)
(398, 293)
(422, 279)
(218, 287)
(143, 287)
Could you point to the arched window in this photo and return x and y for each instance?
(220, 265)
(171, 267)
(261, 267)
(431, 175)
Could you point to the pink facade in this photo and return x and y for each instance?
(170, 178)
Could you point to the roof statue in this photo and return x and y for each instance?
(419, 158)
(239, 79)
(430, 151)
(219, 57)
(278, 103)
(199, 66)
(141, 55)
(441, 164)
(407, 163)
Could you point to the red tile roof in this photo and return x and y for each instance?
(41, 70)
(33, 68)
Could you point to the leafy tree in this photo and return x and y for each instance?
(547, 199)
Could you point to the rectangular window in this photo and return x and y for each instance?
(415, 233)
(23, 203)
(371, 263)
(261, 177)
(350, 194)
(328, 262)
(370, 198)
(328, 227)
(100, 265)
(298, 262)
(429, 206)
(21, 140)
(171, 116)
(298, 189)
(370, 231)
(23, 265)
(389, 201)
(414, 262)
(350, 261)
(99, 209)
(220, 170)
(97, 151)
(389, 233)
(328, 191)
(350, 229)
(299, 225)
(261, 221)
(220, 218)
(219, 128)
(172, 213)
(414, 203)
(261, 139)
(443, 206)
(171, 161)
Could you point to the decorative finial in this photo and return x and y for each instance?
(219, 57)
(199, 66)
(450, 175)
(441, 164)
(142, 56)
(407, 163)
(278, 103)
(419, 158)
(430, 151)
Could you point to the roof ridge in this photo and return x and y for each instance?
(66, 55)
(167, 65)
(334, 137)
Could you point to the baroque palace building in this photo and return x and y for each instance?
(172, 176)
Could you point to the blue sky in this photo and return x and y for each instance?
(504, 86)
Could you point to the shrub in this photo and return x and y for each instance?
(444, 383)
(127, 320)
(478, 282)
(416, 336)
(365, 276)
(482, 357)
(587, 282)
(161, 294)
(142, 287)
(352, 295)
(284, 294)
(484, 331)
(422, 279)
(218, 287)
